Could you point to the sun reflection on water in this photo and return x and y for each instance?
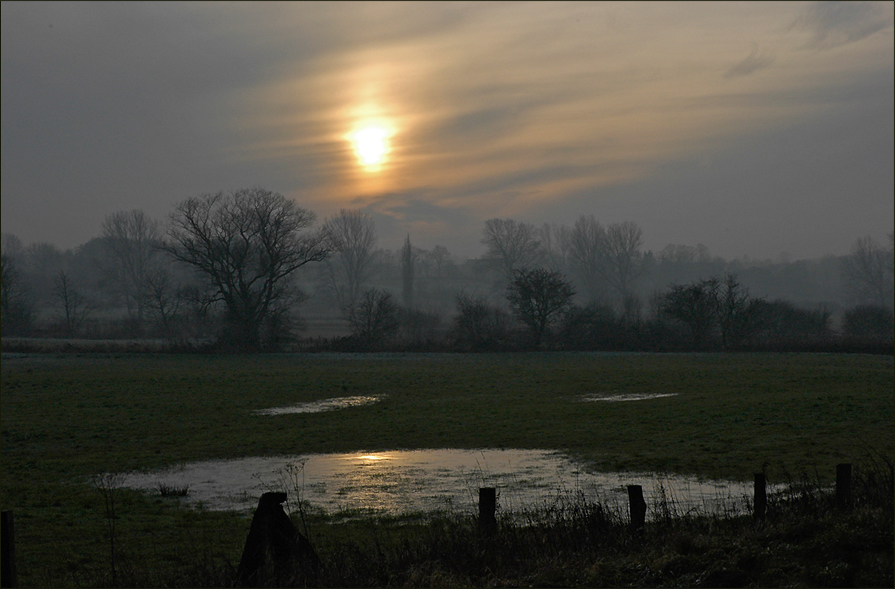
(412, 481)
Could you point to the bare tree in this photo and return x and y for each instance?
(132, 239)
(586, 253)
(510, 245)
(373, 317)
(695, 306)
(556, 242)
(538, 297)
(16, 304)
(163, 300)
(43, 262)
(478, 325)
(868, 272)
(352, 237)
(738, 314)
(441, 259)
(246, 245)
(408, 257)
(715, 307)
(73, 307)
(622, 257)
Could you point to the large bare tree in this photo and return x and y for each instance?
(408, 261)
(73, 308)
(538, 297)
(246, 244)
(868, 272)
(556, 242)
(622, 257)
(586, 250)
(132, 239)
(352, 236)
(511, 245)
(16, 302)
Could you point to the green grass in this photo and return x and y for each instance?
(66, 418)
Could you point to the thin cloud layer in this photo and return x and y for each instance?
(536, 111)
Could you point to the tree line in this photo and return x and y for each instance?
(245, 270)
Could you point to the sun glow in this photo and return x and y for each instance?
(371, 145)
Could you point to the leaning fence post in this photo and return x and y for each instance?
(273, 537)
(487, 507)
(9, 550)
(843, 485)
(761, 496)
(638, 506)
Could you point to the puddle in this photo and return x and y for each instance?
(321, 406)
(428, 481)
(630, 397)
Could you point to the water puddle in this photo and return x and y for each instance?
(629, 397)
(321, 406)
(414, 481)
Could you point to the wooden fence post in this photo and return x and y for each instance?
(273, 536)
(638, 506)
(487, 507)
(9, 550)
(843, 486)
(761, 497)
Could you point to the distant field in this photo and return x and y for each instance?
(67, 417)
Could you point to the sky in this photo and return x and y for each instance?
(757, 129)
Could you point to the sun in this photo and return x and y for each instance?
(371, 145)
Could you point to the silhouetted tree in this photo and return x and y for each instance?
(538, 297)
(869, 272)
(713, 306)
(594, 327)
(73, 307)
(132, 239)
(510, 245)
(441, 260)
(868, 321)
(738, 314)
(621, 257)
(586, 254)
(695, 306)
(352, 237)
(408, 257)
(419, 328)
(478, 325)
(163, 299)
(781, 322)
(246, 244)
(16, 304)
(374, 317)
(43, 263)
(556, 243)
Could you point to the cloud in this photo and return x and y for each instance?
(838, 23)
(756, 60)
(499, 109)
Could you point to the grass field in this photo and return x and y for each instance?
(66, 418)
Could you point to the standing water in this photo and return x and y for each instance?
(414, 481)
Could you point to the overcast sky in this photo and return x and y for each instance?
(753, 128)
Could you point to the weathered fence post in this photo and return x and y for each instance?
(487, 507)
(843, 486)
(9, 550)
(761, 497)
(272, 533)
(638, 506)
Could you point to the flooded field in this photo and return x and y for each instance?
(627, 397)
(428, 481)
(322, 405)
